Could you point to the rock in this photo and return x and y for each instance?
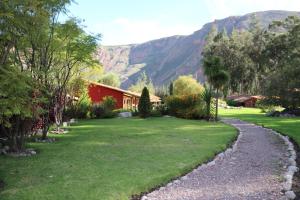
(176, 181)
(72, 121)
(212, 163)
(144, 198)
(221, 155)
(292, 162)
(287, 186)
(288, 177)
(65, 124)
(125, 114)
(6, 148)
(293, 168)
(290, 195)
(184, 178)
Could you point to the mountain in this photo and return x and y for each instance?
(165, 59)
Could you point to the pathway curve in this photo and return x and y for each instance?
(254, 170)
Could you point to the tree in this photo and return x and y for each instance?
(207, 97)
(145, 104)
(216, 76)
(283, 52)
(185, 85)
(143, 81)
(18, 106)
(49, 53)
(110, 79)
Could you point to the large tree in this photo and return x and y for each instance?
(282, 85)
(216, 75)
(44, 54)
(186, 85)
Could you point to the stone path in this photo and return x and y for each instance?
(253, 170)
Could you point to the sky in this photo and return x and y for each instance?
(135, 21)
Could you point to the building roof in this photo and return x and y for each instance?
(243, 98)
(153, 98)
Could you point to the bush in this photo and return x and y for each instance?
(265, 105)
(109, 103)
(188, 106)
(231, 102)
(145, 106)
(163, 109)
(105, 108)
(155, 113)
(81, 111)
(98, 111)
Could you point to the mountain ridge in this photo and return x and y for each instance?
(166, 58)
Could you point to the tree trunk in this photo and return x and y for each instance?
(217, 105)
(45, 127)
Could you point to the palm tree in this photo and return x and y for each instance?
(217, 77)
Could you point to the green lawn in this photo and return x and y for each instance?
(112, 159)
(287, 126)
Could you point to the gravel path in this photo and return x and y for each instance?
(254, 170)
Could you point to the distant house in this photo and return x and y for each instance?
(244, 100)
(125, 99)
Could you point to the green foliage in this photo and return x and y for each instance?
(77, 87)
(207, 98)
(145, 106)
(143, 81)
(19, 106)
(186, 106)
(105, 108)
(231, 102)
(217, 77)
(49, 51)
(283, 50)
(155, 113)
(186, 85)
(110, 79)
(80, 109)
(163, 109)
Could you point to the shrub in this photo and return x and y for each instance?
(186, 85)
(155, 113)
(79, 111)
(231, 102)
(105, 108)
(265, 105)
(163, 109)
(187, 106)
(145, 104)
(109, 103)
(98, 111)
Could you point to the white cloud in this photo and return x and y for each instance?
(126, 31)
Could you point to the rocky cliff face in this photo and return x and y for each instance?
(165, 59)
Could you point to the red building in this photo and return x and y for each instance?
(245, 100)
(125, 99)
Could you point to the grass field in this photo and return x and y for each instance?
(112, 159)
(287, 126)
